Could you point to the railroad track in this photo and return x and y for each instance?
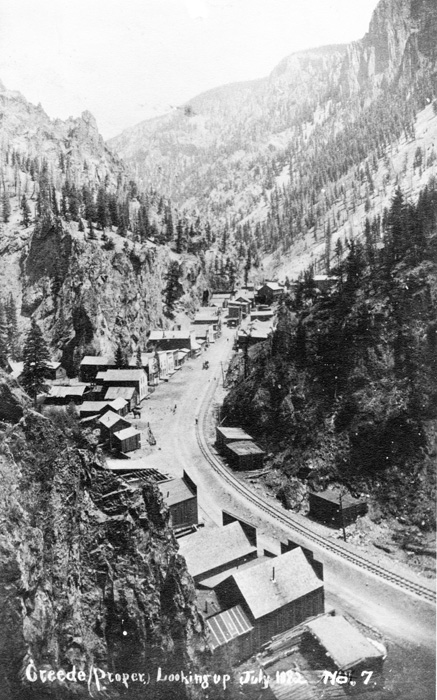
(284, 519)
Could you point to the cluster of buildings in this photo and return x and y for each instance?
(239, 448)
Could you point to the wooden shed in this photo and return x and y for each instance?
(181, 501)
(129, 377)
(225, 435)
(127, 440)
(325, 507)
(244, 454)
(54, 370)
(336, 644)
(276, 595)
(230, 632)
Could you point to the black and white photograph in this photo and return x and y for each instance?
(218, 349)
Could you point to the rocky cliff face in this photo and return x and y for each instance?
(89, 573)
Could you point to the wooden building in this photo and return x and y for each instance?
(253, 337)
(213, 550)
(149, 363)
(110, 423)
(127, 440)
(335, 509)
(335, 644)
(244, 454)
(92, 364)
(324, 282)
(235, 315)
(277, 594)
(225, 435)
(266, 315)
(54, 370)
(172, 340)
(64, 395)
(204, 333)
(220, 299)
(181, 500)
(128, 393)
(231, 632)
(136, 378)
(269, 292)
(93, 408)
(245, 303)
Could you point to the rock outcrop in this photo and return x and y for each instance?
(90, 573)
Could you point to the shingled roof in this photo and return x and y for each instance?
(345, 644)
(211, 548)
(293, 578)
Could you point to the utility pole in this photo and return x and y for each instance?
(341, 514)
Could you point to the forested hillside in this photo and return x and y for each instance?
(87, 253)
(294, 162)
(347, 388)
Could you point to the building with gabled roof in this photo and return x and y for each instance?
(212, 550)
(136, 378)
(92, 364)
(269, 292)
(343, 645)
(276, 595)
(111, 422)
(128, 393)
(127, 439)
(231, 629)
(63, 395)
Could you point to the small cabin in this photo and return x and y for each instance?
(335, 509)
(335, 644)
(110, 423)
(181, 500)
(127, 440)
(269, 293)
(244, 455)
(54, 370)
(224, 435)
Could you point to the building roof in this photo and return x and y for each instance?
(208, 311)
(124, 392)
(334, 497)
(274, 286)
(343, 642)
(118, 403)
(122, 375)
(169, 335)
(262, 314)
(126, 433)
(175, 491)
(244, 447)
(228, 625)
(233, 433)
(293, 578)
(210, 548)
(93, 406)
(109, 419)
(60, 392)
(95, 360)
(212, 581)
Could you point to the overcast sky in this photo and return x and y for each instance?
(128, 60)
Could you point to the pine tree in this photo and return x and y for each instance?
(25, 212)
(139, 358)
(12, 327)
(6, 206)
(36, 357)
(4, 347)
(120, 359)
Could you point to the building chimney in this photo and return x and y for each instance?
(273, 574)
